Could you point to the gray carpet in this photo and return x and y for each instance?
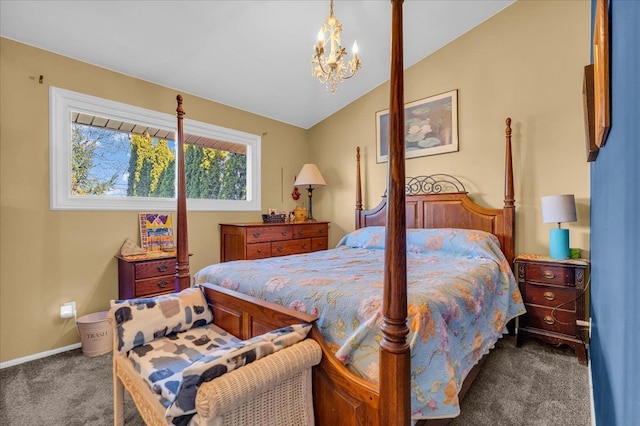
(536, 385)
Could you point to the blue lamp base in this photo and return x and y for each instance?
(559, 243)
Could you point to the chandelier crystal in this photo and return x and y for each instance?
(331, 70)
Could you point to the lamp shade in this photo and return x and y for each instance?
(310, 176)
(559, 208)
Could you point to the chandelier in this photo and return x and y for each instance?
(332, 70)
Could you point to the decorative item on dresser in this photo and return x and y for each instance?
(246, 241)
(146, 275)
(554, 294)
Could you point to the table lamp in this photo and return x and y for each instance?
(559, 209)
(310, 178)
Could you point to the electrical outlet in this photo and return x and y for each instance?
(68, 310)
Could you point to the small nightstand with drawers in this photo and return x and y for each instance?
(146, 275)
(554, 295)
(246, 241)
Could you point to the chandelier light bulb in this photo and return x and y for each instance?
(355, 48)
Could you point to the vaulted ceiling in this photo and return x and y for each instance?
(251, 55)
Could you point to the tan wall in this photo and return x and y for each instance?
(525, 63)
(51, 257)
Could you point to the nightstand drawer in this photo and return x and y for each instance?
(258, 251)
(552, 296)
(561, 322)
(282, 248)
(268, 233)
(153, 269)
(552, 274)
(313, 230)
(155, 286)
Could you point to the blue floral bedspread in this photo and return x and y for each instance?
(461, 293)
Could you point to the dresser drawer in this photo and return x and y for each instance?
(282, 248)
(319, 244)
(153, 269)
(260, 234)
(154, 286)
(310, 230)
(258, 251)
(552, 296)
(561, 322)
(552, 274)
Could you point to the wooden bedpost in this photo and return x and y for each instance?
(395, 360)
(182, 274)
(509, 199)
(358, 191)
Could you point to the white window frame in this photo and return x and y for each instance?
(62, 102)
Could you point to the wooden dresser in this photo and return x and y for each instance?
(554, 295)
(245, 241)
(146, 276)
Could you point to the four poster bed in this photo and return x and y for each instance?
(402, 348)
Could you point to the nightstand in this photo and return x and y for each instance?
(146, 275)
(554, 295)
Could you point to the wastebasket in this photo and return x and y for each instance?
(95, 334)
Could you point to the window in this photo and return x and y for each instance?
(106, 155)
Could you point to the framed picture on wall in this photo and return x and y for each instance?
(602, 102)
(431, 127)
(589, 114)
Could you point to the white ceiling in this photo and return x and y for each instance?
(251, 55)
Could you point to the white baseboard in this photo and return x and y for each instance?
(33, 357)
(593, 409)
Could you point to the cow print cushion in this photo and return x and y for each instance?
(216, 363)
(140, 321)
(160, 363)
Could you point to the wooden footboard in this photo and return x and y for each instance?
(338, 393)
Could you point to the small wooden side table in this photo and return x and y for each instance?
(146, 275)
(554, 294)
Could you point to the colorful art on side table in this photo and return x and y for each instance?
(156, 232)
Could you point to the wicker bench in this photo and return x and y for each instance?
(274, 389)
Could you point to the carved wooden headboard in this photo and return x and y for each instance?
(441, 201)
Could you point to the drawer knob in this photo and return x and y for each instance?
(163, 283)
(548, 275)
(549, 295)
(321, 230)
(280, 248)
(259, 250)
(256, 234)
(304, 245)
(549, 320)
(300, 232)
(162, 268)
(284, 233)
